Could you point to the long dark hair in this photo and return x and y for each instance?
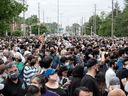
(100, 78)
(62, 69)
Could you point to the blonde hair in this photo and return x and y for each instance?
(116, 92)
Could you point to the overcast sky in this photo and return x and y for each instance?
(73, 10)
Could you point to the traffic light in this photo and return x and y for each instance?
(29, 26)
(82, 26)
(67, 27)
(91, 27)
(60, 25)
(100, 25)
(39, 24)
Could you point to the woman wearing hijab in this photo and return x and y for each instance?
(78, 74)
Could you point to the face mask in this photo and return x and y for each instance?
(89, 49)
(52, 51)
(19, 60)
(32, 63)
(16, 48)
(14, 75)
(98, 57)
(116, 86)
(34, 84)
(4, 75)
(53, 77)
(1, 53)
(107, 61)
(66, 64)
(127, 67)
(13, 58)
(111, 57)
(116, 67)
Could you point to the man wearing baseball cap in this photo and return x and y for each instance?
(89, 79)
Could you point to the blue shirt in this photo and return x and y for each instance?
(56, 61)
(119, 63)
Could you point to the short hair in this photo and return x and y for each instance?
(89, 45)
(42, 51)
(10, 65)
(124, 60)
(41, 80)
(117, 92)
(46, 62)
(2, 68)
(32, 90)
(81, 88)
(63, 59)
(95, 52)
(112, 62)
(1, 48)
(121, 51)
(62, 52)
(9, 54)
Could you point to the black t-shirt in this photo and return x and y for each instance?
(103, 68)
(89, 82)
(124, 74)
(118, 74)
(58, 91)
(12, 89)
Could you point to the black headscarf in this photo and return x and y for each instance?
(78, 71)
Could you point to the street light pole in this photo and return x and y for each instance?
(112, 20)
(58, 15)
(24, 20)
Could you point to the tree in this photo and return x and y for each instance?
(75, 27)
(33, 20)
(8, 10)
(17, 32)
(43, 29)
(91, 23)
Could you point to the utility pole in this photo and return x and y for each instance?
(43, 16)
(112, 20)
(24, 20)
(82, 26)
(39, 18)
(47, 19)
(95, 19)
(85, 24)
(58, 16)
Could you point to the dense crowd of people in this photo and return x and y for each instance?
(64, 66)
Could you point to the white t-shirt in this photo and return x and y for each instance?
(4, 58)
(108, 75)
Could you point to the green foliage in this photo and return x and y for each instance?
(8, 10)
(43, 29)
(33, 20)
(91, 23)
(75, 27)
(17, 32)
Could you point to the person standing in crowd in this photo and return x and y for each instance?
(14, 51)
(122, 55)
(116, 92)
(56, 60)
(124, 74)
(82, 91)
(89, 80)
(29, 69)
(62, 76)
(33, 90)
(100, 78)
(19, 64)
(10, 57)
(51, 84)
(78, 74)
(111, 71)
(89, 52)
(3, 74)
(13, 85)
(40, 81)
(2, 55)
(79, 56)
(45, 64)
